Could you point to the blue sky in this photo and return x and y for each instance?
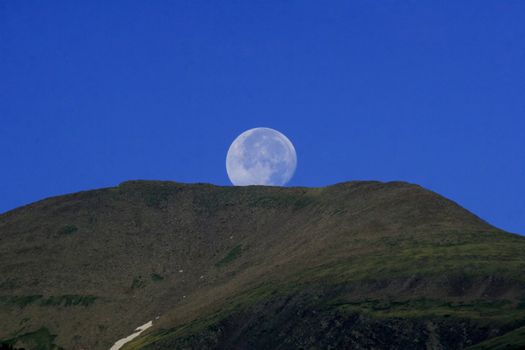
(93, 93)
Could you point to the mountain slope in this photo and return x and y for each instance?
(354, 265)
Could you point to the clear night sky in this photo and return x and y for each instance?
(93, 93)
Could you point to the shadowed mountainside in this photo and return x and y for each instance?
(356, 265)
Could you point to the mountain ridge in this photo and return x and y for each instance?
(208, 259)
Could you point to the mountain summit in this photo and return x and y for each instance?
(357, 265)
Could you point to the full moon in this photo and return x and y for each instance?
(261, 156)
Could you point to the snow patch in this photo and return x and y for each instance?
(120, 343)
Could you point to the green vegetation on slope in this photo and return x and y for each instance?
(55, 300)
(155, 277)
(514, 340)
(233, 254)
(41, 339)
(19, 300)
(138, 283)
(476, 309)
(67, 230)
(265, 308)
(69, 300)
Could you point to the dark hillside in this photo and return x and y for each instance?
(356, 265)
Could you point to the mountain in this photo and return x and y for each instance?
(357, 265)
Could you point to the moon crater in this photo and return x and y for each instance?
(261, 156)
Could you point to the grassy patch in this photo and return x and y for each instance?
(69, 300)
(155, 195)
(138, 282)
(67, 230)
(504, 260)
(479, 309)
(20, 300)
(155, 277)
(233, 254)
(4, 346)
(281, 201)
(41, 339)
(235, 304)
(60, 300)
(513, 340)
